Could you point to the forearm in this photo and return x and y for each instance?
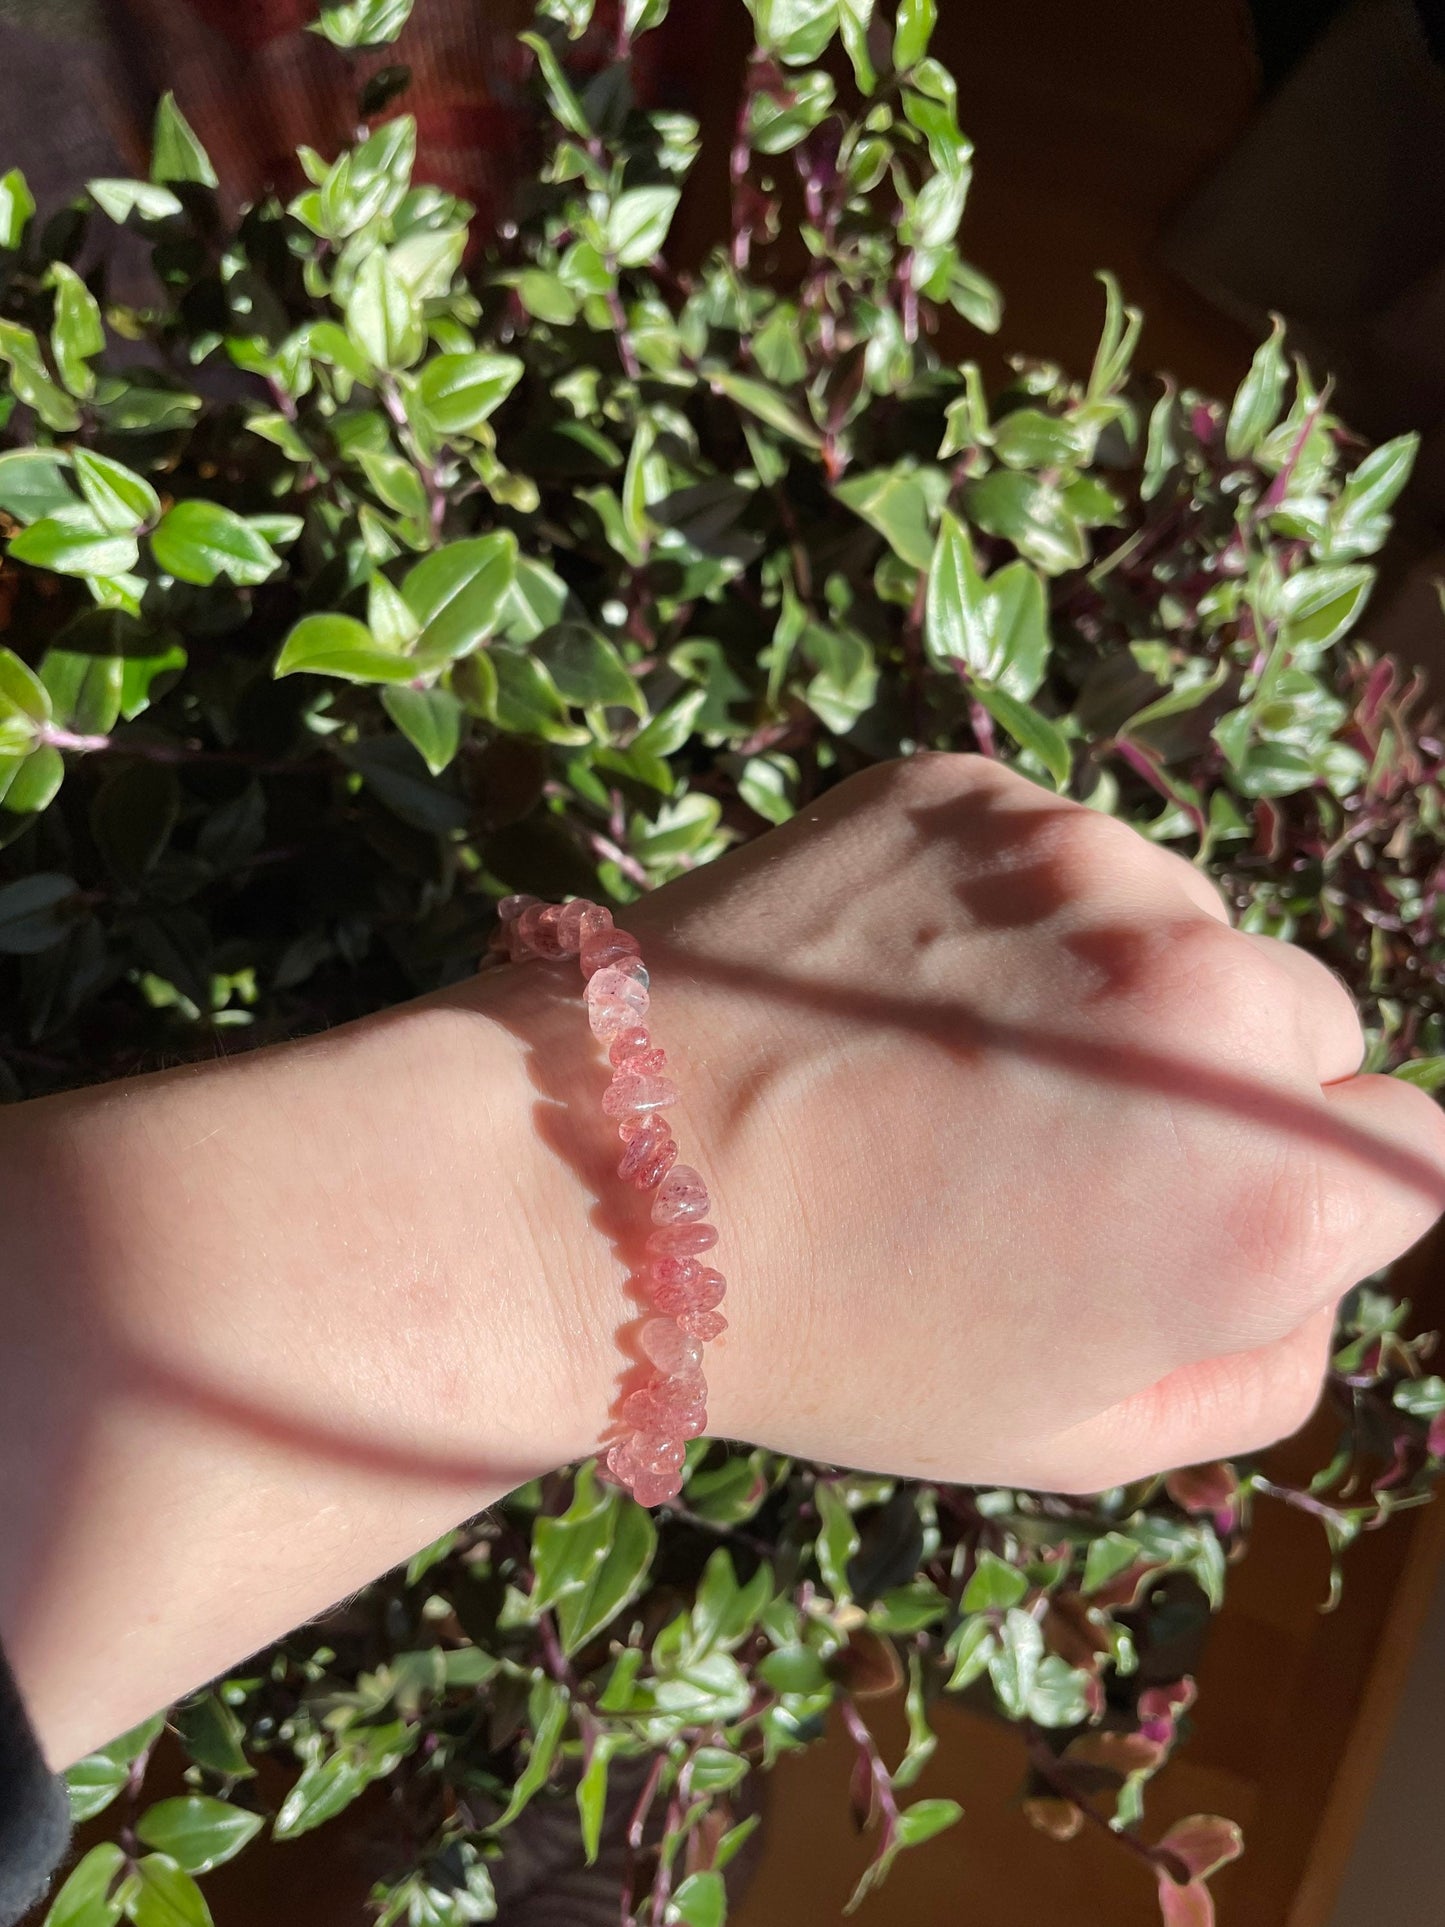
(267, 1327)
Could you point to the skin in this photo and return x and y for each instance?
(1028, 1168)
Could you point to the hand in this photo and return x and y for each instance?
(1028, 1168)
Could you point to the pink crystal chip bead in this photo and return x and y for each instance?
(670, 1348)
(631, 1091)
(681, 1240)
(681, 1197)
(670, 1407)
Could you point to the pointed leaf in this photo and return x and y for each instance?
(121, 500)
(198, 541)
(1029, 730)
(431, 721)
(333, 645)
(198, 1832)
(458, 596)
(459, 392)
(176, 154)
(89, 1897)
(1256, 407)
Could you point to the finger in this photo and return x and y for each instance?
(1329, 1020)
(1217, 1409)
(1387, 1141)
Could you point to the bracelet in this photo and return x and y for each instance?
(671, 1407)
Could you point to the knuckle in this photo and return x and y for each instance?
(1292, 1223)
(1196, 973)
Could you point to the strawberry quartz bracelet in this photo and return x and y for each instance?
(685, 1293)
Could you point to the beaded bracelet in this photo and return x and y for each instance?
(685, 1294)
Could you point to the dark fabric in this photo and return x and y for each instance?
(34, 1810)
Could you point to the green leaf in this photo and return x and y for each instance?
(94, 1781)
(1060, 1693)
(546, 297)
(854, 19)
(329, 1785)
(427, 262)
(430, 719)
(837, 1538)
(176, 154)
(1274, 769)
(1014, 1667)
(1031, 514)
(1321, 606)
(1016, 616)
(392, 624)
(592, 1796)
(363, 23)
(33, 787)
(30, 379)
(1421, 1397)
(701, 1901)
(1426, 1072)
(777, 122)
(87, 1899)
(459, 392)
(845, 686)
(166, 1896)
(1028, 438)
(900, 505)
(715, 1770)
(956, 627)
(458, 596)
(23, 697)
(383, 315)
(1029, 729)
(341, 646)
(916, 21)
(198, 541)
(197, 1832)
(1360, 519)
(637, 224)
(1109, 1555)
(535, 601)
(396, 483)
(995, 1584)
(565, 105)
(766, 404)
(121, 199)
(212, 1734)
(547, 1713)
(1256, 407)
(925, 1818)
(587, 669)
(73, 542)
(33, 484)
(971, 1649)
(794, 31)
(85, 690)
(617, 1580)
(767, 783)
(121, 501)
(17, 205)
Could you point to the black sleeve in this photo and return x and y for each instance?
(34, 1810)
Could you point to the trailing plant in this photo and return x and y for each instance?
(372, 569)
